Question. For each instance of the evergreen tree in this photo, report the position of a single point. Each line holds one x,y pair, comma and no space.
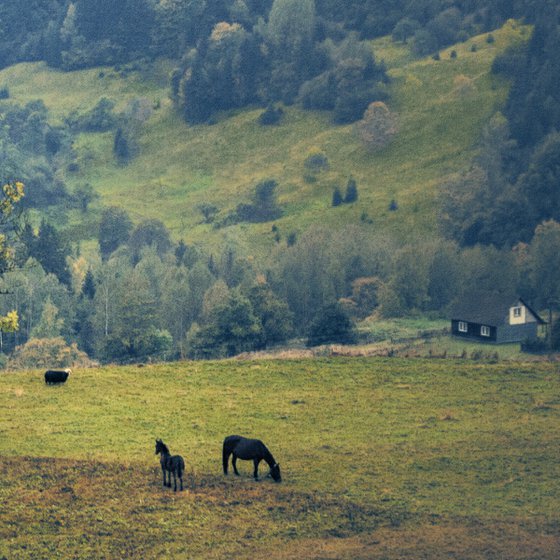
51,251
351,194
337,197
121,148
88,287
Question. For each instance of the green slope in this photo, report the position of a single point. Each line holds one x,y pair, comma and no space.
441,107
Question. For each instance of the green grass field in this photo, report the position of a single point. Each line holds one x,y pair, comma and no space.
381,458
441,107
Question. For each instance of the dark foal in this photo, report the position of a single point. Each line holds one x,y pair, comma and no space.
170,465
249,450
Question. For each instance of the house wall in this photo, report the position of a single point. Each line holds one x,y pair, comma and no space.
499,335
473,332
516,333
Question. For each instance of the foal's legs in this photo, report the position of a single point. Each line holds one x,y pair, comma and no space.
174,481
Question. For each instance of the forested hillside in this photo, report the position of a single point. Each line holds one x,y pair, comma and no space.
203,179
235,53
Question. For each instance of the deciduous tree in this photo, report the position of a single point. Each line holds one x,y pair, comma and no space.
377,127
114,230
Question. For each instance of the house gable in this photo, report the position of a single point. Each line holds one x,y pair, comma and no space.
528,315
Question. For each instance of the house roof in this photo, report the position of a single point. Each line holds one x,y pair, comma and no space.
489,309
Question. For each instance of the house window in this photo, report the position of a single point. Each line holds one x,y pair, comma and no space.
485,331
517,311
463,327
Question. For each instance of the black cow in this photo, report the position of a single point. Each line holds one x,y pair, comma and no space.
53,376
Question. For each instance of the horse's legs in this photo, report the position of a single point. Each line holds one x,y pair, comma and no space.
234,464
225,461
163,473
256,473
174,481
181,481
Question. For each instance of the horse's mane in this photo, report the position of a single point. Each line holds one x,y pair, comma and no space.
165,448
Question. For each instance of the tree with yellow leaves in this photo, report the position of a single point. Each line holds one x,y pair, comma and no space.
10,195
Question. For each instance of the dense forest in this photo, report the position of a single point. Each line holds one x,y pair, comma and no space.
235,53
149,295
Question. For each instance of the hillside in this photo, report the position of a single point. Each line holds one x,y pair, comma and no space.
441,107
381,458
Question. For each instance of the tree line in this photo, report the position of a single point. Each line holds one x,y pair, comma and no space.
232,53
147,297
80,33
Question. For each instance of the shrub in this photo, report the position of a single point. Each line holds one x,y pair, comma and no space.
4,93
154,344
271,116
316,161
98,119
48,352
365,218
208,211
365,295
424,42
378,126
350,105
319,93
463,84
331,325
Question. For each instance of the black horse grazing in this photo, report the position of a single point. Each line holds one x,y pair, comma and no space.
249,449
170,465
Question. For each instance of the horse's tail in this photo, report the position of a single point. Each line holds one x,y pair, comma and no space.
227,449
180,467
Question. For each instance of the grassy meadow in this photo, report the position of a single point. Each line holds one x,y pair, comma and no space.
381,458
441,108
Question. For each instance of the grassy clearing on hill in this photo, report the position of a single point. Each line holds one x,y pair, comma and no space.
381,458
441,109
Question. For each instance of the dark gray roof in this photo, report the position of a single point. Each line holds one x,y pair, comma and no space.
488,309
